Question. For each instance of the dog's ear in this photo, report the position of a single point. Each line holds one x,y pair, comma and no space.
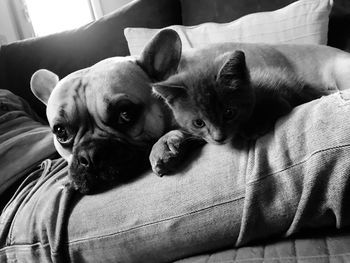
42,83
161,56
169,92
234,71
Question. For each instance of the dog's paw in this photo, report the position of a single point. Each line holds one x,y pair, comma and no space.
167,152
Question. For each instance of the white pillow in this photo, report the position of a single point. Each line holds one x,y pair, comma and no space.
302,22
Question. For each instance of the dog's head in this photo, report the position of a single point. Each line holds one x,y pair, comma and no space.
104,118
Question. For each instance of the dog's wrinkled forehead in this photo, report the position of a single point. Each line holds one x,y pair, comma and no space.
89,97
117,75
115,79
66,97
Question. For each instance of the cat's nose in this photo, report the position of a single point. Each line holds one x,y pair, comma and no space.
220,140
219,137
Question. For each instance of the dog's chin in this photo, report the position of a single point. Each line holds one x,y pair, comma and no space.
108,172
96,180
93,180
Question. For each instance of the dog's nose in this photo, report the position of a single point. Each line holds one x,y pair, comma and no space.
84,159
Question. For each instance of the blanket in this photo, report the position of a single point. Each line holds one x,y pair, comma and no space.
24,139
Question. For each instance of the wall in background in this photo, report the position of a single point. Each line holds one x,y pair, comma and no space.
8,31
109,6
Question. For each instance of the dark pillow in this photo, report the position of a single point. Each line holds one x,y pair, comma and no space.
339,30
222,11
68,51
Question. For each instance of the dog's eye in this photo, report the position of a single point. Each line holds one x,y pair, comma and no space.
124,113
124,117
61,133
198,123
230,114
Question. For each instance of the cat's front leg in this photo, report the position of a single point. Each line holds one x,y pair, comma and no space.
168,152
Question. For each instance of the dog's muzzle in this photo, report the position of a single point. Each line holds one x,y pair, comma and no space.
98,163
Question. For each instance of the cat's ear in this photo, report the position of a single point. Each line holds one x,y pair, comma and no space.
168,92
161,56
234,69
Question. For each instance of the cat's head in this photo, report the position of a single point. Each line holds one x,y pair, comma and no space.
210,101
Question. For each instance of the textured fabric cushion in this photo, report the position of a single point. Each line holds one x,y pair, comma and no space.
294,178
24,141
69,51
302,22
317,247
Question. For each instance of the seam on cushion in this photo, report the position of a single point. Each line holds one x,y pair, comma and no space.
159,221
304,160
294,247
278,32
264,251
327,247
285,258
287,28
303,36
285,20
235,255
47,245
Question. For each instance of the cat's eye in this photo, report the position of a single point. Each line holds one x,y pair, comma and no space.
198,123
230,114
61,133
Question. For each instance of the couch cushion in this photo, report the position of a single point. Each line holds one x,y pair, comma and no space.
294,178
302,22
315,247
68,51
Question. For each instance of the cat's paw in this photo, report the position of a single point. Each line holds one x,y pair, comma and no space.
167,152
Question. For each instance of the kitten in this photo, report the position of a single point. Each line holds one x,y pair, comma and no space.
233,102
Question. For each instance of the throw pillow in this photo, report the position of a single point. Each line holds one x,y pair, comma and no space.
302,22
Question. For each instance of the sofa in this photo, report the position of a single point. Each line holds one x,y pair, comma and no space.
281,198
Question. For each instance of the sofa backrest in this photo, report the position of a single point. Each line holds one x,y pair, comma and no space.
69,51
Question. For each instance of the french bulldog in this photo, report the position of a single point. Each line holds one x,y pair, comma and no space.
322,67
104,118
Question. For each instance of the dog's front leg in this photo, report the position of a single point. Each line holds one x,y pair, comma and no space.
168,152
